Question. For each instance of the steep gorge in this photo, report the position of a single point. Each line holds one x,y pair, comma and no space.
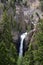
18,28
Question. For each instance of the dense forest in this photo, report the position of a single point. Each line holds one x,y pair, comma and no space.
13,23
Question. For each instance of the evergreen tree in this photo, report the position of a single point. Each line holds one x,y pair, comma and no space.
35,56
8,53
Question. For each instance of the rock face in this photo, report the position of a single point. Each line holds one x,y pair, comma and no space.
23,19
15,36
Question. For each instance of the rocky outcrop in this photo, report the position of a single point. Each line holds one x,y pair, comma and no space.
23,18
15,36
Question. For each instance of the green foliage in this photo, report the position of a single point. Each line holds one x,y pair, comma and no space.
19,61
28,58
41,24
7,56
34,55
41,2
6,28
12,3
8,53
28,28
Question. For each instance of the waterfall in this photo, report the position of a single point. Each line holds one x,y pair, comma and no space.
21,44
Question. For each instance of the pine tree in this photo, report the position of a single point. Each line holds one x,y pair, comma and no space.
8,53
35,56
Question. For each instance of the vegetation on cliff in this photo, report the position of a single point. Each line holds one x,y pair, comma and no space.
8,50
34,55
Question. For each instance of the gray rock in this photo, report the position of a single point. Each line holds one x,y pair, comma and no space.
15,36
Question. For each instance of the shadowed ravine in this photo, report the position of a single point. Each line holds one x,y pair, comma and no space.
22,37
21,32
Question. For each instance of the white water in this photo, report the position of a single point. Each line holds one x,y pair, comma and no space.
21,44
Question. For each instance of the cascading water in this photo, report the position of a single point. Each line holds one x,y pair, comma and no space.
21,44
